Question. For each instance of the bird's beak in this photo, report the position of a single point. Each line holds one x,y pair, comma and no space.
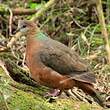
17,30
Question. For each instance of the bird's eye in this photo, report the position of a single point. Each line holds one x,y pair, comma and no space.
24,26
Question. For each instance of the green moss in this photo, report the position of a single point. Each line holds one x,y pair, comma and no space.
85,106
27,101
1,71
21,100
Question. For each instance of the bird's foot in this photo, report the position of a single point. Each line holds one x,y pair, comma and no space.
53,93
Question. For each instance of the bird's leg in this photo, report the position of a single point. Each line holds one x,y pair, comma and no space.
53,93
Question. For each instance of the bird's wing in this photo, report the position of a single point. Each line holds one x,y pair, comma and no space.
62,59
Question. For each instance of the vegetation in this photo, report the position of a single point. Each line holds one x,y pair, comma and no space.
83,25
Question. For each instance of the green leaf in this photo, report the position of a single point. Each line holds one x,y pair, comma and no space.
35,5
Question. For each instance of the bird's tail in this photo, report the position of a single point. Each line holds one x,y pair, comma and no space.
89,89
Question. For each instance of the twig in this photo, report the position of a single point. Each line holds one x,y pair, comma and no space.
71,94
108,11
78,95
13,40
93,56
76,22
103,26
3,49
10,22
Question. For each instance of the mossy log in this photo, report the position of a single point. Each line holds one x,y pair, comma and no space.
20,92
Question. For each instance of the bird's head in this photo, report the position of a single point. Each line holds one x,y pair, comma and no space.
25,26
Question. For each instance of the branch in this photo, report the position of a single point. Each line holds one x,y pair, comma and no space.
43,9
18,11
22,11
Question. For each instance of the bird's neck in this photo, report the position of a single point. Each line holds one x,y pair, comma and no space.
31,34
41,36
35,35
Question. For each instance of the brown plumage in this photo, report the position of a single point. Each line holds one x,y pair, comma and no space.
55,65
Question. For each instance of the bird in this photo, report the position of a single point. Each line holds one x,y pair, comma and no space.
54,65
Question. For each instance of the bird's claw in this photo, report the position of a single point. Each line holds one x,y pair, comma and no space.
52,93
